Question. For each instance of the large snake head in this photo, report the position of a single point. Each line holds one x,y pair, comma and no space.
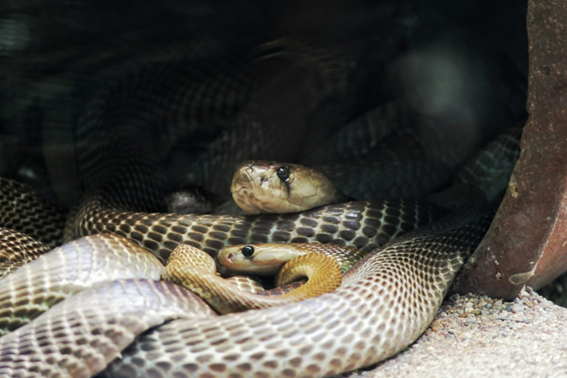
272,187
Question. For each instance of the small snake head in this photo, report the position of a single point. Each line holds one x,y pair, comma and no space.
260,259
274,187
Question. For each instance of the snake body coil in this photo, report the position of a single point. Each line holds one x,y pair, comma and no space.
382,308
384,303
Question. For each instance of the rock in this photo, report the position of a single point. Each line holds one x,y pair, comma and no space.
525,244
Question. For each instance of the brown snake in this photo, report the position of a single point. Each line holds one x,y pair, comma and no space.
383,304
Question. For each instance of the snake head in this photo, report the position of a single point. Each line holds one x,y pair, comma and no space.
274,187
260,259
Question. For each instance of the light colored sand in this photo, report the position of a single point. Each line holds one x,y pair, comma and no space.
483,337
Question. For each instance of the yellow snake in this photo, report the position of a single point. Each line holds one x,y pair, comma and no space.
322,271
268,259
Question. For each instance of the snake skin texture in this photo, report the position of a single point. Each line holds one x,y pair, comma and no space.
363,224
407,168
380,309
49,278
246,283
26,210
17,249
85,332
35,287
490,169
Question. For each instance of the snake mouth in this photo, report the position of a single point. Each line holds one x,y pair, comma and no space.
222,259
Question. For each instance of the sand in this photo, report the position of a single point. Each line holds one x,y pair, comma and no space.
476,336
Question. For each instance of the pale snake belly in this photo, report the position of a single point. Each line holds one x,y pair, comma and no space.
383,305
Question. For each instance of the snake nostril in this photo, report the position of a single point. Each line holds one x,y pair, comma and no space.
229,257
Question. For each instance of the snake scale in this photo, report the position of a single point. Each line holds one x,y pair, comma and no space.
136,327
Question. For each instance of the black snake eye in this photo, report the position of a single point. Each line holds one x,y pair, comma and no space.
248,251
283,173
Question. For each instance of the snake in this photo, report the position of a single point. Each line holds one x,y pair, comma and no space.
322,272
382,305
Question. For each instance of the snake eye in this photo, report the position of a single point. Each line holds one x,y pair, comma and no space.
283,173
248,251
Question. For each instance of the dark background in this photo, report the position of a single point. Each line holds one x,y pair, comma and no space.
55,54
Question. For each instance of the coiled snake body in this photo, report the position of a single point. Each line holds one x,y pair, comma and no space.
384,303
